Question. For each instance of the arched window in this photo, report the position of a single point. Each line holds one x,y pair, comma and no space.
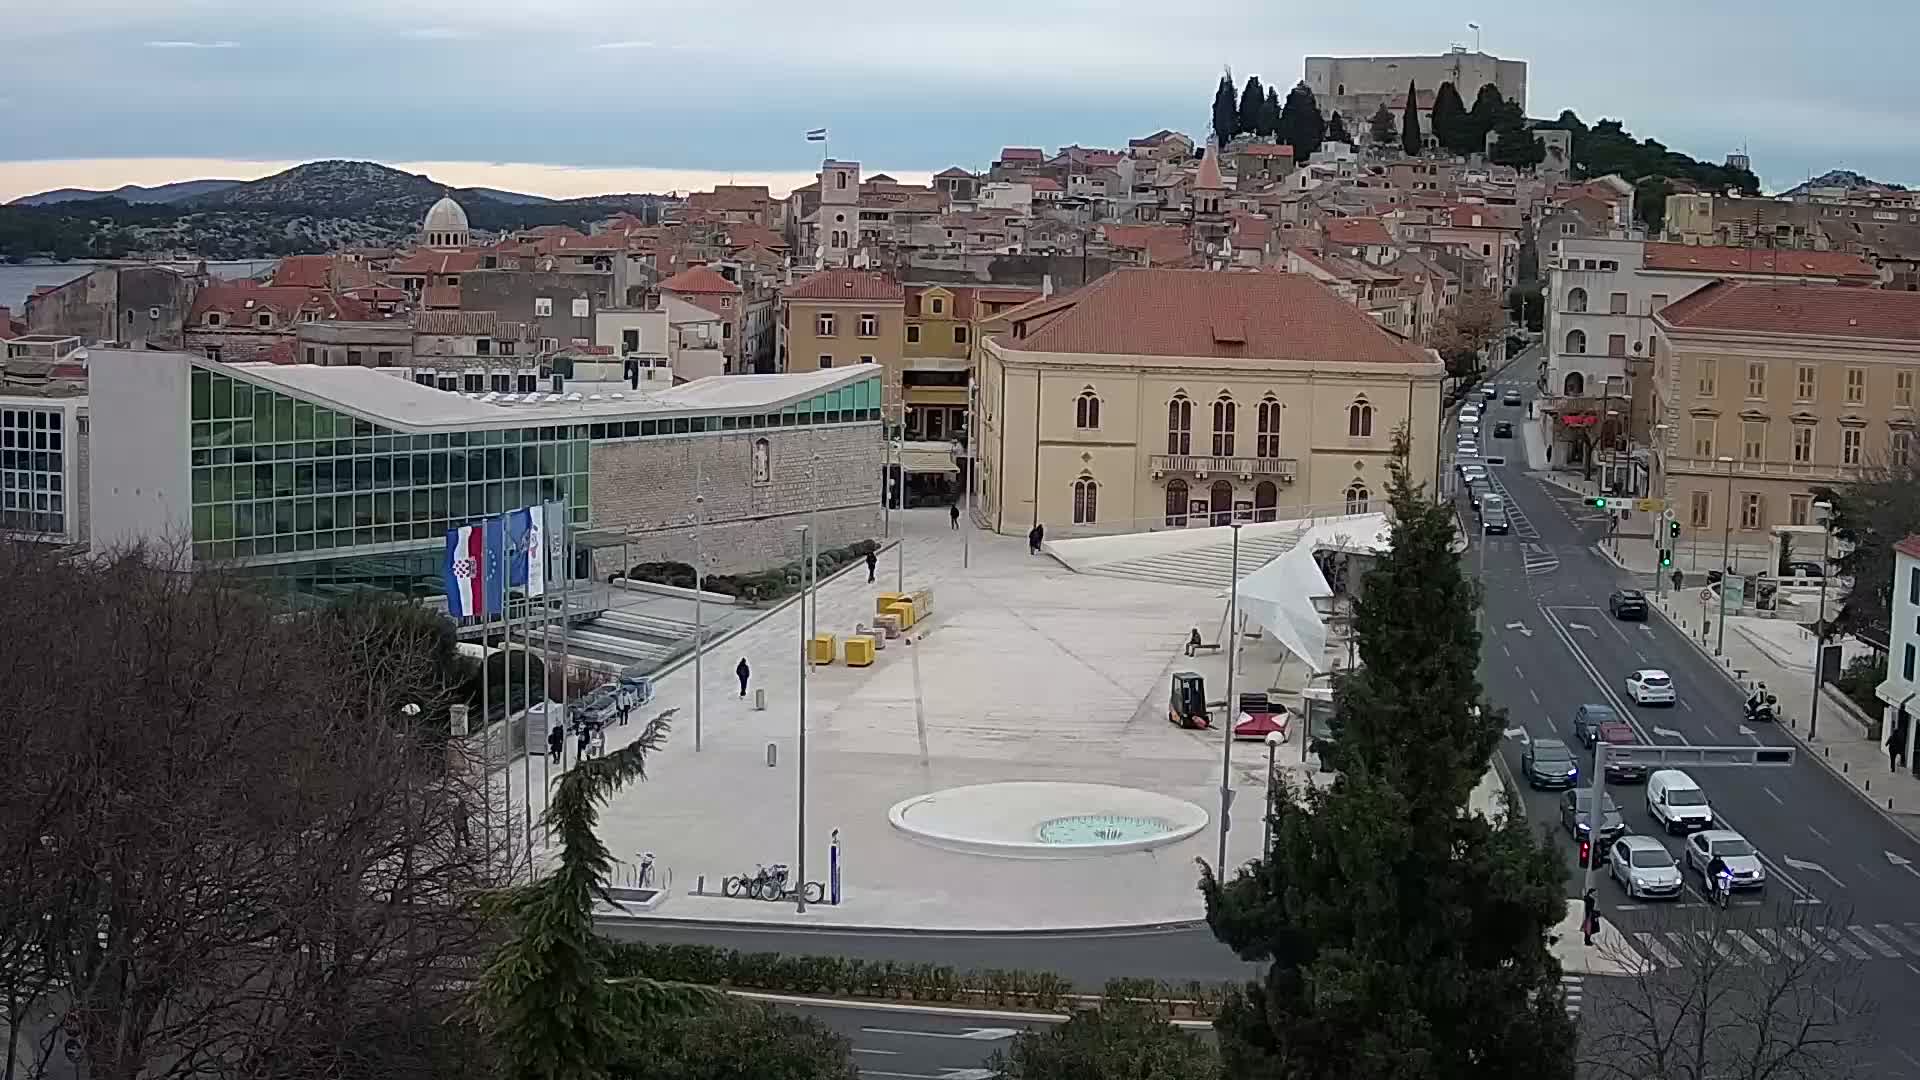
1576,341
1176,502
1575,385
1358,497
1267,440
1224,412
1180,425
1360,419
1576,299
1266,500
1086,501
1086,410
1220,503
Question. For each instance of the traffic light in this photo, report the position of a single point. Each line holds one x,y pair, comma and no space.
1598,502
1586,853
1673,529
1666,557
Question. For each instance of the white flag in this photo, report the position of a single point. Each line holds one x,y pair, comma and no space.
536,550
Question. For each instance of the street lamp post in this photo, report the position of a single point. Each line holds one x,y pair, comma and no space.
1726,557
1266,823
900,542
699,610
800,816
1233,703
1824,510
966,486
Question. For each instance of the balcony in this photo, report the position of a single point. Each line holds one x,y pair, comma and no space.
1246,468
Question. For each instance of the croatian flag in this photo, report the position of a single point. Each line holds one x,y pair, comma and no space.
465,571
527,549
817,135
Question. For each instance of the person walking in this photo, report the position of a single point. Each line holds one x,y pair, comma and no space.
953,514
586,740
1590,921
745,673
1678,577
557,744
873,563
1034,537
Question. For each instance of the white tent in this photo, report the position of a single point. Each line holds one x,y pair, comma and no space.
1280,596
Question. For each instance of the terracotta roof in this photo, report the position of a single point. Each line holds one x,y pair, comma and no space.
441,296
700,280
436,262
1162,243
954,171
748,234
1044,183
242,296
1730,260
1022,153
1910,547
1250,231
1357,231
1207,314
1462,215
1208,178
456,323
1792,308
846,285
305,271
1266,150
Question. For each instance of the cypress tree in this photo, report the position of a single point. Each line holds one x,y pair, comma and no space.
1450,120
1410,122
1337,130
1226,116
1301,125
1405,936
1251,115
1381,128
1487,106
1272,112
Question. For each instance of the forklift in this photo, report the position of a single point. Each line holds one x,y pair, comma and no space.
1187,707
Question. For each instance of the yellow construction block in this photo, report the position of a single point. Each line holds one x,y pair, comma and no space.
902,609
923,602
859,651
824,646
887,599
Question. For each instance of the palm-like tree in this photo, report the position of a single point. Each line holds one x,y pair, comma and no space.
546,996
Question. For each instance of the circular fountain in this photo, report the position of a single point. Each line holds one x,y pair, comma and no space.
1044,819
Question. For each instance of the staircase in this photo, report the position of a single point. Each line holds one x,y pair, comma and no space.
1209,567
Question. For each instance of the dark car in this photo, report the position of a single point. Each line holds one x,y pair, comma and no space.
1503,430
1576,816
1547,763
1628,605
1618,733
1494,520
1512,397
1587,720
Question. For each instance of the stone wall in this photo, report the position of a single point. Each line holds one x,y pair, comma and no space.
647,486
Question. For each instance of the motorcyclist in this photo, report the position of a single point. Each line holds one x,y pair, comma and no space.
1718,877
1758,700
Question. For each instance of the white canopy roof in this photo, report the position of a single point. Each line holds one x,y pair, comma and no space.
1280,596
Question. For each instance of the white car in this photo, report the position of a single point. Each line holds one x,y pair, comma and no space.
1743,862
1651,686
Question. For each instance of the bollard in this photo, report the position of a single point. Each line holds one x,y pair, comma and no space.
1826,751
773,754
700,885
760,699
1843,768
1866,785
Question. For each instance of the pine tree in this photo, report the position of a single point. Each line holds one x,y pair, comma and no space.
1272,112
1515,144
1410,140
1381,128
1450,120
1405,936
1226,116
1487,105
1301,125
1337,130
1251,116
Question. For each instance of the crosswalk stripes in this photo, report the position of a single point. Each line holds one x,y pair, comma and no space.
1539,559
1761,945
1572,988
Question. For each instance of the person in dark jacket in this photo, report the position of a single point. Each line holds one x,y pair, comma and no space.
1590,921
953,514
745,673
556,742
1034,538
873,562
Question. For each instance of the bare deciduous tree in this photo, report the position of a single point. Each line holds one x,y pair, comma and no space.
231,848
1741,994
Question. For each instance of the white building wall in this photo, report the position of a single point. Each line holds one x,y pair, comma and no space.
138,483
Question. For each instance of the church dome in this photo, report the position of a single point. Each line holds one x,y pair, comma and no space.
446,216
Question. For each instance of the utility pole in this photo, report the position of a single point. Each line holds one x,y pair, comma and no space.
1233,703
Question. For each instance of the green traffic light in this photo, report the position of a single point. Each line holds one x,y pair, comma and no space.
1597,501
1666,557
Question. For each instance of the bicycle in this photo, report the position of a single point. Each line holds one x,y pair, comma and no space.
765,883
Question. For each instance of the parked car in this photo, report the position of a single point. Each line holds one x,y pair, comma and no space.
1677,803
1576,816
1511,397
1547,763
1628,605
1742,860
1643,868
1651,686
1503,429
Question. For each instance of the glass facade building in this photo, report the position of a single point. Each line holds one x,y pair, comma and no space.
33,470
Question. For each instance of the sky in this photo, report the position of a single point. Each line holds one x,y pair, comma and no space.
571,97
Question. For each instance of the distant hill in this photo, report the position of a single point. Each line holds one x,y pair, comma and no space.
1840,178
129,193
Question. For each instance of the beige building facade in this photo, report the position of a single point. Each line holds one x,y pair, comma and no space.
1772,391
1158,399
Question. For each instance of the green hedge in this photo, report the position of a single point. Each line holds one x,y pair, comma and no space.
763,585
886,980
1859,679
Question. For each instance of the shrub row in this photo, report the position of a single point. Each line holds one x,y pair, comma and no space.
763,585
886,980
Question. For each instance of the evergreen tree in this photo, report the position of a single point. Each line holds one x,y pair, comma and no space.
1226,116
1410,122
1514,143
1301,125
1487,105
1337,130
1405,935
1449,120
1250,119
1381,128
1272,112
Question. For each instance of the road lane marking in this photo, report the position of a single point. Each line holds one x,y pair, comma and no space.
1822,836
1874,943
1652,947
1777,799
1781,945
1813,868
887,1053
969,1035
1811,943
1753,948
1534,696
1833,934
1710,732
1714,942
1684,705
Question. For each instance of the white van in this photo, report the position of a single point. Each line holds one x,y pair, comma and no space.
1677,803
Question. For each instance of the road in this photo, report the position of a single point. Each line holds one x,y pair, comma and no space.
1550,647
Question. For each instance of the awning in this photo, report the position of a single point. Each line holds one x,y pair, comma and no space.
1279,598
927,458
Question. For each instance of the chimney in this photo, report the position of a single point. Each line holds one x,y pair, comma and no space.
1046,286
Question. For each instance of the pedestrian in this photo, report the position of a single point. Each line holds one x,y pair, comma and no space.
586,740
873,563
1678,577
953,514
556,742
1590,922
1034,538
745,673
1193,641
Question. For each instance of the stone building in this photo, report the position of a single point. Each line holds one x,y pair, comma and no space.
140,307
1355,86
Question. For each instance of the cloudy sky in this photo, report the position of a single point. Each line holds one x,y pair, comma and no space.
572,96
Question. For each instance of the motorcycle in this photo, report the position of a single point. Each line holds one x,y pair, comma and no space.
1761,710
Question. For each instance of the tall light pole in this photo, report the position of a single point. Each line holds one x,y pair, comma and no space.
1266,823
966,485
1824,511
1233,703
1726,561
699,609
800,816
900,542
1480,611
813,521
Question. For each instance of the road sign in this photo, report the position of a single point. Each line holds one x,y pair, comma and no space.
1650,506
1670,515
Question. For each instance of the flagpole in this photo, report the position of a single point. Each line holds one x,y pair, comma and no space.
486,712
526,698
506,692
546,681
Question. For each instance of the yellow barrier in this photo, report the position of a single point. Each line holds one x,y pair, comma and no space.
859,652
824,646
903,610
886,600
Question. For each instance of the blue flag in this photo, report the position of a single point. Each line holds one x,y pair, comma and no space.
496,575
